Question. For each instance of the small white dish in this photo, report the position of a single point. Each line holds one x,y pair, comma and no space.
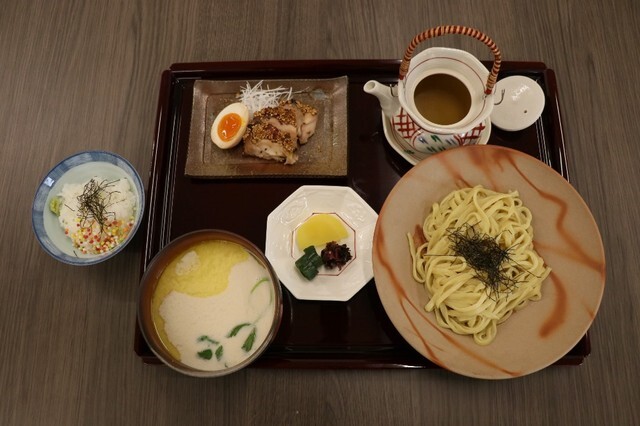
79,168
282,251
519,102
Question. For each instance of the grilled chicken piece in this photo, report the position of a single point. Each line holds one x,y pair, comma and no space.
309,121
274,132
283,119
306,119
264,140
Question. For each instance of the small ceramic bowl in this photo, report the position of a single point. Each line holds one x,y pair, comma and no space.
202,330
77,169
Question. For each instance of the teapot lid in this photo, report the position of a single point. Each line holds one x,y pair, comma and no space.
519,102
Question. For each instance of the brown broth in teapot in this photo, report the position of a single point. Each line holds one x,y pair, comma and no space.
442,99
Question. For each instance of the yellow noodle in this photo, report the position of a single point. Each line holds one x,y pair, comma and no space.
460,301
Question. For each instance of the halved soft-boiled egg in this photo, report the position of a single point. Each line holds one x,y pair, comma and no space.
229,126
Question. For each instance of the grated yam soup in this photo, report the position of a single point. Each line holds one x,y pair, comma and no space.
213,305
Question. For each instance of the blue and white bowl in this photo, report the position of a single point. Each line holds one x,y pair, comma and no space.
79,168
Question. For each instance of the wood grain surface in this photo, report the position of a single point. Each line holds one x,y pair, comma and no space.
80,75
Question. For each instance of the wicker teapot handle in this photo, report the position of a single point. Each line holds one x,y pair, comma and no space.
455,29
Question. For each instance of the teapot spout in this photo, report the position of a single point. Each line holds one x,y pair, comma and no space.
388,102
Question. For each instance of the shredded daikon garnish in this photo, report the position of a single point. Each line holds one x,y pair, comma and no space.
256,98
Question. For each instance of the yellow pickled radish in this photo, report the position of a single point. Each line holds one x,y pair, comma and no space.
320,229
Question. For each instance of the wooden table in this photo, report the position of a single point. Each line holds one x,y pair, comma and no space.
79,76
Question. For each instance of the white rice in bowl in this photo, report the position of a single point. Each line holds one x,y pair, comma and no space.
97,215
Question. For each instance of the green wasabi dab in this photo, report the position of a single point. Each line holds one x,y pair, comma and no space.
55,205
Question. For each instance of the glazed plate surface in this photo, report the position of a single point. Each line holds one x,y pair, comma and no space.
565,235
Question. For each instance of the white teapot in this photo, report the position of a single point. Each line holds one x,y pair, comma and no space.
444,96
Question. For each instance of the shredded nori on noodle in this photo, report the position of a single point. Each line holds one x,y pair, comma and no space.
485,256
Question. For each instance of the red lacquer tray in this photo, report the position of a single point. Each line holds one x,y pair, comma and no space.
353,334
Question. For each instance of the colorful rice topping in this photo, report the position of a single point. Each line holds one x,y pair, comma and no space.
98,215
